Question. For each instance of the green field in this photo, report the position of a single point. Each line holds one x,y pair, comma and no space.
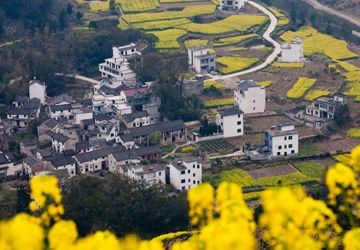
311,169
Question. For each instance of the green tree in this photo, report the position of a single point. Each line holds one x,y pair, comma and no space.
123,206
62,20
79,15
342,115
154,138
23,199
69,9
112,5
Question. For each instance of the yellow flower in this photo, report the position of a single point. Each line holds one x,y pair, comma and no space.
43,187
201,201
351,240
62,235
98,241
21,232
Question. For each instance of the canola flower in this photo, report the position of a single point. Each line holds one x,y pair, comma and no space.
289,219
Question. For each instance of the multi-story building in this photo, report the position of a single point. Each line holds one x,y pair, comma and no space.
232,5
117,68
22,112
200,59
324,107
250,97
63,110
282,140
293,51
231,122
151,174
61,143
185,173
136,119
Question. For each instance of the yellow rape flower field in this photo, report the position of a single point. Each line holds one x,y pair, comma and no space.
265,83
233,40
229,24
188,11
160,25
354,133
230,64
218,102
219,219
302,85
168,38
195,42
316,42
352,75
288,65
100,6
138,5
282,19
208,84
316,93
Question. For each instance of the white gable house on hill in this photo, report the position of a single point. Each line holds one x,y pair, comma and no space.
200,59
232,5
250,97
293,51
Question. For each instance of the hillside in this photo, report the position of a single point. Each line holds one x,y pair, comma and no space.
349,6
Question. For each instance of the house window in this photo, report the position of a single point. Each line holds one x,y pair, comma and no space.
253,101
159,173
189,171
285,138
279,147
290,145
278,153
285,146
239,115
183,181
182,171
182,188
189,180
194,166
239,130
239,123
194,182
193,174
290,137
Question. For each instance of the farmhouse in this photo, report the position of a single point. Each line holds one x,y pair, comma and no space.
232,5
282,140
60,142
293,51
33,166
117,69
185,173
136,119
200,59
63,162
170,132
231,122
23,110
324,107
250,97
151,174
63,110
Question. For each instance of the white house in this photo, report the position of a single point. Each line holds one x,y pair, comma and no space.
82,114
151,174
63,162
185,173
250,97
117,68
33,166
200,59
37,89
233,5
324,107
136,119
60,142
293,51
231,122
62,110
282,140
22,112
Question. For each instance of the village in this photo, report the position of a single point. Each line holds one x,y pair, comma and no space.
118,128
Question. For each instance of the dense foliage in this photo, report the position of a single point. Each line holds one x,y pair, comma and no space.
124,206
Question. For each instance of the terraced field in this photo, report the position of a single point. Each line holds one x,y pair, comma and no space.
168,39
218,102
300,87
161,25
229,24
233,40
316,42
189,11
216,146
195,42
230,64
316,93
138,5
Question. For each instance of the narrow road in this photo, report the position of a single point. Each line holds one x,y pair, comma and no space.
318,6
267,37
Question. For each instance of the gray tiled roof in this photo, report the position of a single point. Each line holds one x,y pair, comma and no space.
246,84
132,116
60,107
59,161
3,159
103,152
31,162
58,137
234,110
158,127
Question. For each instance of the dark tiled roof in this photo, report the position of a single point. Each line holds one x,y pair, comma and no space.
58,137
60,107
159,127
103,152
21,111
246,84
60,161
136,153
22,99
234,110
126,137
82,145
111,91
132,116
31,162
3,159
36,82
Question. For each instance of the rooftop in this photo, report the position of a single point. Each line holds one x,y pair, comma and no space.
247,84
132,116
234,110
158,127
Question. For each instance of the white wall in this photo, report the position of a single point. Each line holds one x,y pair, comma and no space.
253,100
83,116
231,126
288,146
187,178
37,91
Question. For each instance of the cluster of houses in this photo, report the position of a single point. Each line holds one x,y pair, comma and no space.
117,130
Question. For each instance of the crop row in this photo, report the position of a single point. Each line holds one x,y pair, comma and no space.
300,87
232,64
218,102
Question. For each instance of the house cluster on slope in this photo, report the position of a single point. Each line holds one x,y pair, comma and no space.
117,130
